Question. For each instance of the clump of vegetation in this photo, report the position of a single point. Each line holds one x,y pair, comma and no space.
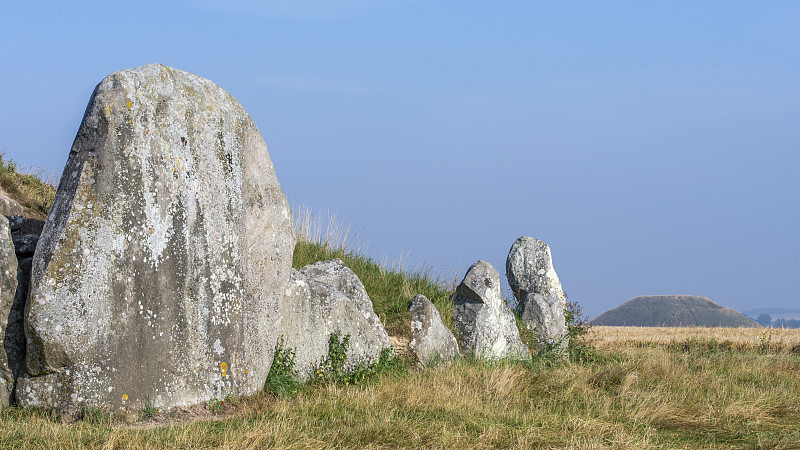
334,368
93,415
216,405
149,410
578,324
282,377
29,189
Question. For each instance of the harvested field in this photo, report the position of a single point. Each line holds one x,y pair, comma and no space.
772,340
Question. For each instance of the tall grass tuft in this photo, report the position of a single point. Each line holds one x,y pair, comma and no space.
33,189
322,236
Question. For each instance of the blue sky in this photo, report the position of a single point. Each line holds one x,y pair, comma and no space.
654,145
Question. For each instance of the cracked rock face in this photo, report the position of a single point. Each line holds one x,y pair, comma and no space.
431,341
485,324
166,253
324,298
534,282
8,289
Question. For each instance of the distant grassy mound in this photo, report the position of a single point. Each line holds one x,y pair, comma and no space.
673,311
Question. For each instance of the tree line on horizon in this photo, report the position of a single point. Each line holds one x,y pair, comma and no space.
767,321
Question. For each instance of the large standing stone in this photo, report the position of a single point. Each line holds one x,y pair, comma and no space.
535,284
8,288
324,298
485,324
431,341
165,255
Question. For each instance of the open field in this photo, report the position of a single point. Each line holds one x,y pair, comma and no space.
773,340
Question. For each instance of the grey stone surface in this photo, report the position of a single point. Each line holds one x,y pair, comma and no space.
324,298
533,280
9,206
486,325
25,244
15,222
165,256
431,341
8,289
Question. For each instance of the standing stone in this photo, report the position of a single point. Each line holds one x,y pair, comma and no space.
431,341
166,253
324,298
8,288
485,324
535,284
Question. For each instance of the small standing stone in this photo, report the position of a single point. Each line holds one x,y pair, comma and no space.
325,298
536,286
485,324
431,341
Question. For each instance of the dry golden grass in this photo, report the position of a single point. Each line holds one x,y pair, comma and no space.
773,340
634,398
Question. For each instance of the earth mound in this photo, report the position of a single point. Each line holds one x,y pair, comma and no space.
673,311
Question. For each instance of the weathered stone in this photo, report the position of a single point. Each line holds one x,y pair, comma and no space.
324,298
8,288
15,223
9,206
431,341
486,325
165,256
25,244
533,280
